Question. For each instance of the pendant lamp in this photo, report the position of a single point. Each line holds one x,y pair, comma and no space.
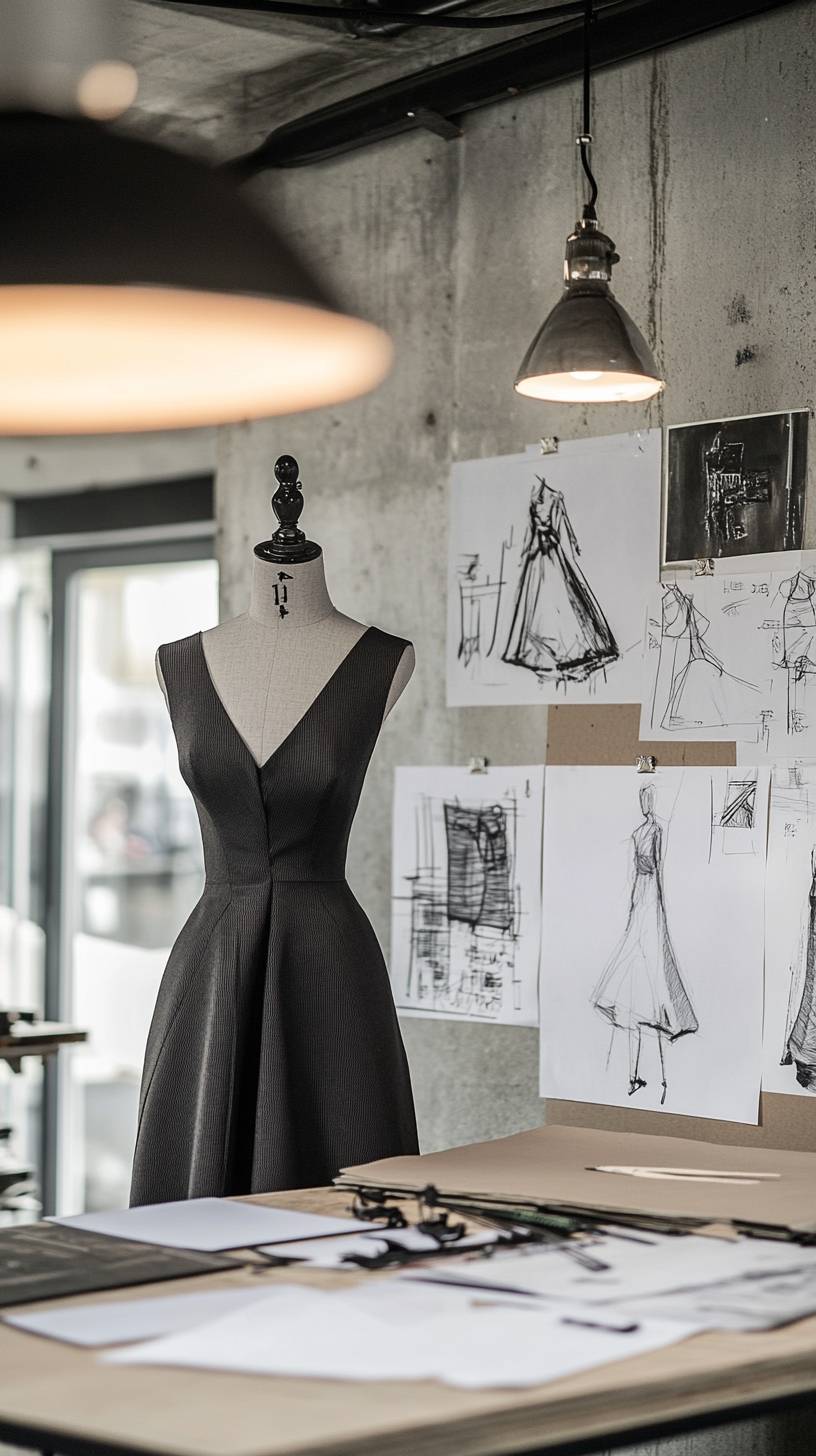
139,290
588,350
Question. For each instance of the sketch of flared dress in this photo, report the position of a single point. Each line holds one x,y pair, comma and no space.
797,654
558,629
693,689
800,1042
641,989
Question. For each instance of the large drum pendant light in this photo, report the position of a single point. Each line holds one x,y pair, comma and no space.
139,290
588,350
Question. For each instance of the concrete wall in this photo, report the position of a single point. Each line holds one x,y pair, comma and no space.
31,465
705,159
704,156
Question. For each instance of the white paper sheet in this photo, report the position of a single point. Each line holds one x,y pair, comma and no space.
547,583
121,1321
395,1331
211,1224
652,939
634,1270
733,657
466,893
749,1303
789,1043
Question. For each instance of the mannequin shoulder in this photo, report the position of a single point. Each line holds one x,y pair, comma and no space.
168,653
405,664
232,631
402,676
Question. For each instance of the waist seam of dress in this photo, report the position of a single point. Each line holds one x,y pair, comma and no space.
237,886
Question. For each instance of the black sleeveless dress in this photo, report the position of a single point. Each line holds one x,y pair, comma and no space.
274,1056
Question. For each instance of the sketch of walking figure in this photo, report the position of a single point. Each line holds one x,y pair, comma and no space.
697,690
798,644
800,1044
558,629
641,988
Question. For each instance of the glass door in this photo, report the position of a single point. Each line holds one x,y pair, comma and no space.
130,864
25,628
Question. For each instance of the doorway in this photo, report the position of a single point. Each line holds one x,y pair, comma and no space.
124,865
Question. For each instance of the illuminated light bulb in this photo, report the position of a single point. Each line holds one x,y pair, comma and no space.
139,290
107,89
588,350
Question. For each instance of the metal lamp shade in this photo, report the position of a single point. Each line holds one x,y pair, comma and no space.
139,291
588,350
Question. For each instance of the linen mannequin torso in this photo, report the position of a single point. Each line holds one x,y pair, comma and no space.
267,668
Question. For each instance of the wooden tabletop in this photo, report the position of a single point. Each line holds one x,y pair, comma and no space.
53,1396
38,1039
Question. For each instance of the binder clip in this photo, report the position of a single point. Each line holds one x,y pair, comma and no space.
549,444
434,1221
646,763
478,765
704,566
371,1207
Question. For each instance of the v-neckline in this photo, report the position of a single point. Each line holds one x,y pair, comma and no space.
261,767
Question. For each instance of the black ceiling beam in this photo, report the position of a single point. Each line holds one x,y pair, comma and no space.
538,58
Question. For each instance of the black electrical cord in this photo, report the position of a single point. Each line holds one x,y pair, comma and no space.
452,22
585,139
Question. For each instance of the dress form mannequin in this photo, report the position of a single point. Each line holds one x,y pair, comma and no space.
274,1056
269,664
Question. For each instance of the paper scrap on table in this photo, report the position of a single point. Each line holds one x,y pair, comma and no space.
334,1253
121,1321
659,1264
540,610
211,1224
753,1302
466,893
651,983
789,1041
394,1331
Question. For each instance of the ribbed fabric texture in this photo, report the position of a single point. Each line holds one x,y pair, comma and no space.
274,1056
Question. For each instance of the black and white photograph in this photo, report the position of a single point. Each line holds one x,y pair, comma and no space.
735,487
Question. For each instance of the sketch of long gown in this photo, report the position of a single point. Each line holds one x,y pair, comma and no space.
800,1045
798,654
697,690
558,629
641,988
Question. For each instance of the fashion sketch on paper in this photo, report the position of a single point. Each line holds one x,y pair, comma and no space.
641,989
558,629
800,1042
693,688
796,653
465,909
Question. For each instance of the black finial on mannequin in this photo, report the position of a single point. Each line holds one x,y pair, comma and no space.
288,543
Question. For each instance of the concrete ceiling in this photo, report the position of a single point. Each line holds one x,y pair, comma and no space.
216,80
